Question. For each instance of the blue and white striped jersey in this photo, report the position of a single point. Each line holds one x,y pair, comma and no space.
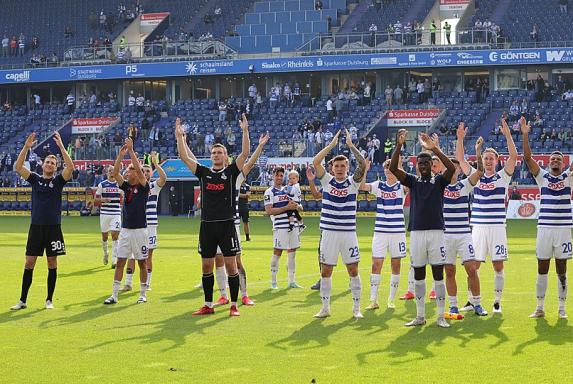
109,190
151,209
278,198
338,212
389,207
488,207
555,207
456,207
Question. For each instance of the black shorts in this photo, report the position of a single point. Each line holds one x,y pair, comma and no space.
45,237
244,214
220,234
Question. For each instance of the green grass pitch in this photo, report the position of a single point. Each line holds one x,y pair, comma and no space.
278,340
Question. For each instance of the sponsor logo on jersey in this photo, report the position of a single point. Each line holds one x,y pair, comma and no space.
452,194
389,195
486,186
215,187
556,186
338,192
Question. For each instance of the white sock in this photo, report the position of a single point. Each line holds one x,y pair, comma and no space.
128,279
440,287
471,297
148,278
291,265
411,280
274,268
104,247
115,289
374,284
420,292
114,250
243,282
221,277
142,289
562,290
325,290
453,301
498,282
356,290
394,283
540,290
476,300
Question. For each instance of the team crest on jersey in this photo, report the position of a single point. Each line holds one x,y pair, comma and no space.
223,176
433,180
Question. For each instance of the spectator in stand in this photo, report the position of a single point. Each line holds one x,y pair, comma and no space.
398,94
78,153
373,29
231,140
117,142
563,5
568,95
132,131
515,195
412,91
420,90
537,120
253,91
71,103
367,94
5,46
514,111
209,141
287,92
565,134
35,43
318,5
37,101
102,20
222,111
140,103
21,44
13,46
534,33
388,95
554,135
131,102
544,136
144,128
218,12
330,109
68,32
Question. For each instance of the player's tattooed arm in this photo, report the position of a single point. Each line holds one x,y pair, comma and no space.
395,159
162,175
363,186
531,164
69,168
460,153
245,145
263,140
474,177
512,149
360,171
317,160
19,164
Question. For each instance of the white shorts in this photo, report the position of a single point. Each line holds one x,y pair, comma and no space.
554,242
152,234
490,240
283,239
459,244
238,229
334,243
427,247
110,223
133,243
392,243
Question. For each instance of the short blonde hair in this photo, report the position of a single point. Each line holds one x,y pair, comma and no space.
491,150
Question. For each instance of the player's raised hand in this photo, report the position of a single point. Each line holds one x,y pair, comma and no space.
30,141
154,158
479,143
426,142
334,142
244,123
178,128
264,139
524,125
435,139
58,140
461,131
401,137
367,164
348,137
129,144
505,128
310,175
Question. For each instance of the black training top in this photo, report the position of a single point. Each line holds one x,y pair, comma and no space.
134,205
426,202
217,192
244,201
46,199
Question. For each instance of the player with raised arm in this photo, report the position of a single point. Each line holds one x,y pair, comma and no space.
133,237
316,194
488,208
152,220
458,235
45,233
218,212
389,232
277,205
426,224
108,197
338,221
554,223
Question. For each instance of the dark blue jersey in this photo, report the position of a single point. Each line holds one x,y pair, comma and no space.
426,202
134,205
46,199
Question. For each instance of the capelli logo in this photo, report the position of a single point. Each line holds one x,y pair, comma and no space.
18,77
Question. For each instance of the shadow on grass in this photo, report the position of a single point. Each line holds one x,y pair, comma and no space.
558,334
84,272
188,295
476,328
9,316
174,329
270,295
318,331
